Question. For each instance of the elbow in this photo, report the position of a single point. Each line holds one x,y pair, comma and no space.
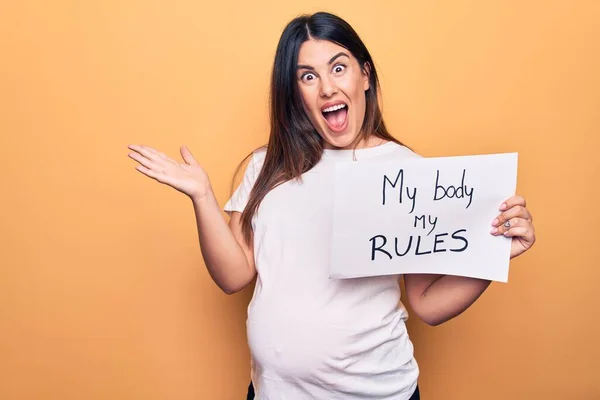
431,314
233,288
433,321
229,290
430,318
436,319
227,287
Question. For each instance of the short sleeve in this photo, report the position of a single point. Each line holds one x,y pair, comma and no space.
240,196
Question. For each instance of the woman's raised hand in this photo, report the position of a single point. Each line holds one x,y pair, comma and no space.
187,177
515,221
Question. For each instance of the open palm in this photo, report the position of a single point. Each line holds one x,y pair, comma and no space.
187,177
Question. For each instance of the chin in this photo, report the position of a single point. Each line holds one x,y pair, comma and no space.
339,141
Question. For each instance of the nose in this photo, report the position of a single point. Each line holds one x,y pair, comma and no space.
328,87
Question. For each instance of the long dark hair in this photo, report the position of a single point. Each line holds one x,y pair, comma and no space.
294,145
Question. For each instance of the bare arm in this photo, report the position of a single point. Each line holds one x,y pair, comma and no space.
439,298
230,262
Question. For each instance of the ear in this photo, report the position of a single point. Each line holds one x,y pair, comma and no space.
366,73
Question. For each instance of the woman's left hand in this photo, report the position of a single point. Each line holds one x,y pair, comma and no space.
515,222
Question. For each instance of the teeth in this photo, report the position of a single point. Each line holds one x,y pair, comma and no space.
334,108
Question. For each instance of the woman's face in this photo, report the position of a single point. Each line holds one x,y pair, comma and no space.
332,86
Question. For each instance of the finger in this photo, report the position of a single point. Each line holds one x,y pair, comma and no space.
146,162
514,212
187,155
149,152
513,201
524,232
147,171
511,223
158,153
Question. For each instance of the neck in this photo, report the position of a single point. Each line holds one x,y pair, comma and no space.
364,143
370,141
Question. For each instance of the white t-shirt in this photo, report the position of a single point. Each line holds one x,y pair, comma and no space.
312,337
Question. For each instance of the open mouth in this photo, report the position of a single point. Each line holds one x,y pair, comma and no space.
336,116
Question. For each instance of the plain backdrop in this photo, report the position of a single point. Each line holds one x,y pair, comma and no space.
103,292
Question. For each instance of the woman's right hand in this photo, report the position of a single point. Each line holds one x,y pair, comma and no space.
187,177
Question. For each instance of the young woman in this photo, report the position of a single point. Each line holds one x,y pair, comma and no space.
312,337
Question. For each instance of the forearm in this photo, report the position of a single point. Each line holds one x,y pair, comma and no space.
447,297
224,257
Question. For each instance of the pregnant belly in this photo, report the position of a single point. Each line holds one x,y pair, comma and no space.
304,343
289,345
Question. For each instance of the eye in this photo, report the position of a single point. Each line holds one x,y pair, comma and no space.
338,68
307,77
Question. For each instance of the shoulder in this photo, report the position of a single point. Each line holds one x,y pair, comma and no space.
258,155
257,160
403,151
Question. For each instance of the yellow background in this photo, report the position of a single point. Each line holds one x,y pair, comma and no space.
103,294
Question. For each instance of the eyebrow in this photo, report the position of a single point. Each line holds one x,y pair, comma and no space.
338,55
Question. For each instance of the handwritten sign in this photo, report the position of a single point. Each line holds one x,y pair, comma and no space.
425,215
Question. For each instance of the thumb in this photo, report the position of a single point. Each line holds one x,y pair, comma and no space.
187,156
